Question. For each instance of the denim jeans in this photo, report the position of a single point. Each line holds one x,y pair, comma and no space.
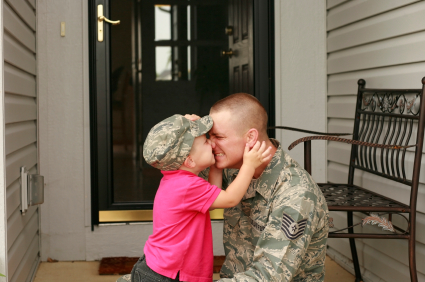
142,273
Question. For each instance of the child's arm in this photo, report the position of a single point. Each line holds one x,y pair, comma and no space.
251,160
215,177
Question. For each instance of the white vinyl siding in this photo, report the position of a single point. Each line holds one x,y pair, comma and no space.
20,104
383,42
300,64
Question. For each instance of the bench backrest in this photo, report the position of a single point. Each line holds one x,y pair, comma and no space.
389,116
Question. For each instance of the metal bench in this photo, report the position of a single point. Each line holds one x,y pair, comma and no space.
388,129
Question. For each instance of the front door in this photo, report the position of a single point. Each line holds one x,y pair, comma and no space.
164,57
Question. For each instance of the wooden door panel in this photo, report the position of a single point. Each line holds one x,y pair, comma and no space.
241,64
234,18
235,76
244,10
245,79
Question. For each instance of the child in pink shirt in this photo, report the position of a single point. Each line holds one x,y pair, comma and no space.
180,248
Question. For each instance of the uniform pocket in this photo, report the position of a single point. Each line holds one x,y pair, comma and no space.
233,215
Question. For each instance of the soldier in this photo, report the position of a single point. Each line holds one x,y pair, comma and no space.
278,232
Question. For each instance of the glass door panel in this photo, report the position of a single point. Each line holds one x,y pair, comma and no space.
164,60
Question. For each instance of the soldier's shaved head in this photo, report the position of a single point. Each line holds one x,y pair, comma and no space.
246,111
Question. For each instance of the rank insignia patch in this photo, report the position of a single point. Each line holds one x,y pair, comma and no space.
292,229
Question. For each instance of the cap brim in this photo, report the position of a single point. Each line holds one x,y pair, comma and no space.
204,124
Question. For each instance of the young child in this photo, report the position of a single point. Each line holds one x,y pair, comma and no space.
180,248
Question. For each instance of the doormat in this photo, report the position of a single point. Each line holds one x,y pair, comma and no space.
218,263
124,265
116,265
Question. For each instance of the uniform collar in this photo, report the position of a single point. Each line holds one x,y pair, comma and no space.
271,172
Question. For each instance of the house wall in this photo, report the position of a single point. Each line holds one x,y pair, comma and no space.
300,36
63,100
3,196
381,41
20,134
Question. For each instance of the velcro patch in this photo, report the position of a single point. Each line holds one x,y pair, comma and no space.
292,229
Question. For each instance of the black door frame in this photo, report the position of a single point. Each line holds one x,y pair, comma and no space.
100,135
264,57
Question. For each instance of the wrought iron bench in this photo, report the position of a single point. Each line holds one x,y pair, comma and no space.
388,125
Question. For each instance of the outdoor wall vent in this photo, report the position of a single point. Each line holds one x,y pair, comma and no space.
32,190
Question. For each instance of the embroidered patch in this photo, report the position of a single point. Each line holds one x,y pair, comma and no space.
256,225
292,229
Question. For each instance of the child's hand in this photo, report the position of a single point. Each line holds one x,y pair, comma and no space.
258,155
192,117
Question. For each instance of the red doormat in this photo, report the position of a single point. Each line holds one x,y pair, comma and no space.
117,265
124,265
218,263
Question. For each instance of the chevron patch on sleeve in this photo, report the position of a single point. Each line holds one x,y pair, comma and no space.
292,229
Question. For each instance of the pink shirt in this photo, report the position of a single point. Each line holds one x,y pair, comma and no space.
182,236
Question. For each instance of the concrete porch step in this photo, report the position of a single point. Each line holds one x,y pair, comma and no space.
88,271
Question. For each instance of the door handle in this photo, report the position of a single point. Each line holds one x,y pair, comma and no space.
228,30
100,19
229,53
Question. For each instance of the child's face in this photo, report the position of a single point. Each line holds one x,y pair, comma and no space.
201,152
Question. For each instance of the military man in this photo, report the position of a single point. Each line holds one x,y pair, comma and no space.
279,230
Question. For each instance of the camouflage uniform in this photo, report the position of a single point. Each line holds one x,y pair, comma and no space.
279,230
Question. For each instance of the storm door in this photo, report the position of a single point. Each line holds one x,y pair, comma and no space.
163,58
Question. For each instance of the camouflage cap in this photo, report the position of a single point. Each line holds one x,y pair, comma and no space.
169,142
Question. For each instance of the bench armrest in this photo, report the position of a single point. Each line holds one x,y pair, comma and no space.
349,141
307,144
307,131
329,137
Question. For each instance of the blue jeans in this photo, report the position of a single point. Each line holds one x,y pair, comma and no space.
142,273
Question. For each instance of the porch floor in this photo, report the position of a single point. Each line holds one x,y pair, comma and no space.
88,271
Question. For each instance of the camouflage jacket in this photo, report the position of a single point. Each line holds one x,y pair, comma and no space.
279,230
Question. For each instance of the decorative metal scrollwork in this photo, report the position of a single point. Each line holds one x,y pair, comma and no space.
410,105
387,103
369,102
390,102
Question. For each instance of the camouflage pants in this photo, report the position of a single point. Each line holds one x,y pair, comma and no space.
125,278
142,273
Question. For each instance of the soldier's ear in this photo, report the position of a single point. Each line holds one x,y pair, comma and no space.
189,162
251,137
